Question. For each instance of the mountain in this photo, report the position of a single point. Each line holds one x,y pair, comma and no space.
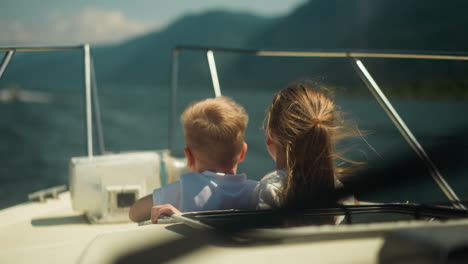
147,59
143,60
431,25
363,24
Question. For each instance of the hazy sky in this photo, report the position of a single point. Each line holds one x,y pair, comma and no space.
107,21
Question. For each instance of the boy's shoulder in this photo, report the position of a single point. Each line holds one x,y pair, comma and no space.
211,175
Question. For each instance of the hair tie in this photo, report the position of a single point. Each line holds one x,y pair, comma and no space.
316,120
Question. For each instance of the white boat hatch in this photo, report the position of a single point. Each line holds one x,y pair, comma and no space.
104,187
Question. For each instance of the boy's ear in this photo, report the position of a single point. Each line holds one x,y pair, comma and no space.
243,152
190,159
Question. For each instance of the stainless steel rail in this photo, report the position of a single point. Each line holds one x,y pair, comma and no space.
379,55
173,101
5,61
10,50
24,48
89,110
335,53
405,131
366,77
214,73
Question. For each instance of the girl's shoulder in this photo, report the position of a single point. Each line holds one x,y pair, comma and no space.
267,193
275,178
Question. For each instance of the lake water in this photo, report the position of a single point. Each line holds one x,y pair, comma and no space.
38,140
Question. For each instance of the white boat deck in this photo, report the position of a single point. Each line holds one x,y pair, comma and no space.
51,232
48,232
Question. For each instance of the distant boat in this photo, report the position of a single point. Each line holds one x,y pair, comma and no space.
15,94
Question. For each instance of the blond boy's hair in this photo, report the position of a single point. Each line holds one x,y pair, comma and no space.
214,128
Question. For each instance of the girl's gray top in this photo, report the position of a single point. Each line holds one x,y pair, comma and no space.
267,193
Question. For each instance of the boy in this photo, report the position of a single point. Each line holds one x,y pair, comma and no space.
214,137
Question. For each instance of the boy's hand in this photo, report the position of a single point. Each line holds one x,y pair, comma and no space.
163,209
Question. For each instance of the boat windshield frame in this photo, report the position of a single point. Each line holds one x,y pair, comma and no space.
355,58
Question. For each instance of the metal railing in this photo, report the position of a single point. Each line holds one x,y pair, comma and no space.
89,86
355,59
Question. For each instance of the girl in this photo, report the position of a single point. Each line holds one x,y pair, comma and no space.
301,131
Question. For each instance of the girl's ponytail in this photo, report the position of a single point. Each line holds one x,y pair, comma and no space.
310,166
303,122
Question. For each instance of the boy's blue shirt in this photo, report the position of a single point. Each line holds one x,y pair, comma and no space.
207,191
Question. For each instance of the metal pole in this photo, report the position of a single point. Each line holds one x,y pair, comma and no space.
336,53
97,110
404,130
173,101
5,61
213,72
88,108
20,48
381,55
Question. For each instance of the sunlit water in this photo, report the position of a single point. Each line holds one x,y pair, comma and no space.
38,140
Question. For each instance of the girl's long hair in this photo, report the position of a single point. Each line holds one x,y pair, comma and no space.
303,120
